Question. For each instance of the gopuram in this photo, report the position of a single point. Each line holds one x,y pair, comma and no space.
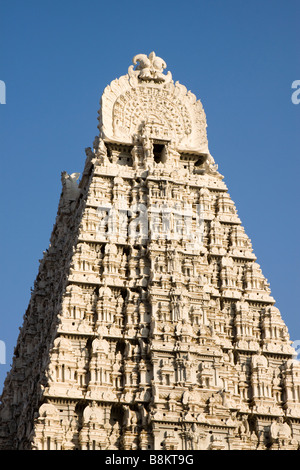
150,324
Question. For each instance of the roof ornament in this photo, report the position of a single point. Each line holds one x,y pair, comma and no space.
150,68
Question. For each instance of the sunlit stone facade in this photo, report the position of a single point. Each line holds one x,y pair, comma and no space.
151,324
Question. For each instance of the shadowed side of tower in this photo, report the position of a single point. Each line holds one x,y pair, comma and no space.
151,325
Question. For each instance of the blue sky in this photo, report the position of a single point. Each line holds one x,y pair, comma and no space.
239,58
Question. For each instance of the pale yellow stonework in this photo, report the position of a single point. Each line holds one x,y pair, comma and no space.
151,324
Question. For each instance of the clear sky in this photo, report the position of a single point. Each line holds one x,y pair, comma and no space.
239,58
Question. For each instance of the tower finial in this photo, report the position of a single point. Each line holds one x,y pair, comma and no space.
151,67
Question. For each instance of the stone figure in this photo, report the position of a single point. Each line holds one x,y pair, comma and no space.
150,67
70,186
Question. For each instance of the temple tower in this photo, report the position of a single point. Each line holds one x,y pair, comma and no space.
151,324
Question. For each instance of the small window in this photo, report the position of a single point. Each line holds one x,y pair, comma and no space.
201,160
159,152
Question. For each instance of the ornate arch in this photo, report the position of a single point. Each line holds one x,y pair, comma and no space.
147,97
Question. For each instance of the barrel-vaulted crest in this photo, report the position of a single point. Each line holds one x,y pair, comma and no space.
147,97
151,324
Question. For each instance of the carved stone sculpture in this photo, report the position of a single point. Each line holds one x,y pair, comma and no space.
151,324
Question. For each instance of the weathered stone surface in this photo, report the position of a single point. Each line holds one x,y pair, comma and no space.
151,324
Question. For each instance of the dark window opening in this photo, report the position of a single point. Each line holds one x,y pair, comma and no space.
200,160
159,152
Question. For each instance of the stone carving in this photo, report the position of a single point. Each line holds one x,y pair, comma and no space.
281,434
140,334
70,188
172,113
